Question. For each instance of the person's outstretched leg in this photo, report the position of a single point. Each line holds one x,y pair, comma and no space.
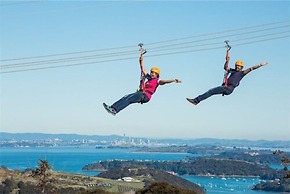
109,109
209,93
127,100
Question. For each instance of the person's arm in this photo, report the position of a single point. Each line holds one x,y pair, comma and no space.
226,65
141,64
255,67
162,82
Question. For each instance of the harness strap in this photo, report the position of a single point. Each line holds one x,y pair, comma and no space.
224,91
142,76
226,74
142,82
225,83
144,98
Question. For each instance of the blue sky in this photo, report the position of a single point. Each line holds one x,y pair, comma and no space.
69,99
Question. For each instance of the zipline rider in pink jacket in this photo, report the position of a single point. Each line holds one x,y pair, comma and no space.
144,94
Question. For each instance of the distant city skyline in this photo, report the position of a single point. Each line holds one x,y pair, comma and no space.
67,140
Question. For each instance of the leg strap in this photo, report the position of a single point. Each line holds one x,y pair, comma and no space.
144,98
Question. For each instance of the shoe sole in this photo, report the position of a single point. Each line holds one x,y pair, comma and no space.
189,100
107,109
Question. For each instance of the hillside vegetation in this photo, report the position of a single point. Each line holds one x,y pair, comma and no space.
200,166
23,183
17,182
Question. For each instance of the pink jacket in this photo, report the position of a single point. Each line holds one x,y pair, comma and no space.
150,87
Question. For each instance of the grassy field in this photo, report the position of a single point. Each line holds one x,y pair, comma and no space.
65,180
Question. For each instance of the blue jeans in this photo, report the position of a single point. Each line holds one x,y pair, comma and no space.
214,91
136,97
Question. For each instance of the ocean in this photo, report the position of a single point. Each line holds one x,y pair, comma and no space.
72,159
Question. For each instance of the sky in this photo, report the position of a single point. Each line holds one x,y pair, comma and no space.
78,54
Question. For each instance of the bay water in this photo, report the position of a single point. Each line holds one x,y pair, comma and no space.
72,159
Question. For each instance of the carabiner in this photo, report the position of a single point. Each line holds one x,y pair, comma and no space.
141,49
227,45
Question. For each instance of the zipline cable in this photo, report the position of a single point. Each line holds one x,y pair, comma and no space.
70,53
157,49
154,43
181,52
225,36
119,59
66,59
221,32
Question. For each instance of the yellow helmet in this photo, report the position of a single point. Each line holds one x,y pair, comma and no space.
240,63
156,70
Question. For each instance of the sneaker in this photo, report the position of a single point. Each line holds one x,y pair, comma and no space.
110,109
192,101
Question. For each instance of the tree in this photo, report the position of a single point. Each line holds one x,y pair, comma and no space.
285,162
43,174
8,186
165,188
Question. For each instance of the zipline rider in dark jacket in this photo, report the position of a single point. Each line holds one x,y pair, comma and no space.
231,81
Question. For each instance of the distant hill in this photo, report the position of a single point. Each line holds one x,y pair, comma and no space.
23,182
149,176
171,141
37,136
198,167
59,182
278,185
229,142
